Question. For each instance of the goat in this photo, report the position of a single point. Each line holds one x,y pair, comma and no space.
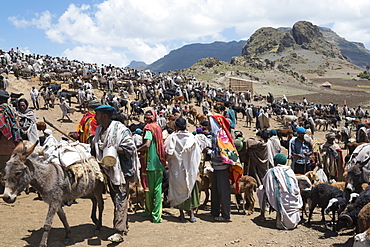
328,198
349,217
362,239
363,222
248,185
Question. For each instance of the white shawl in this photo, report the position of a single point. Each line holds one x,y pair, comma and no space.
183,159
273,146
118,135
286,197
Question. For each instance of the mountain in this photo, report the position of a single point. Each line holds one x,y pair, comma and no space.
354,51
136,64
188,55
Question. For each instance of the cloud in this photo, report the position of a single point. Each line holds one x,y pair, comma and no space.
42,21
147,30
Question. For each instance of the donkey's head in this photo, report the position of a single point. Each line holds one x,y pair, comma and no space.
17,172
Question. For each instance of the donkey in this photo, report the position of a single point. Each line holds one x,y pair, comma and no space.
53,183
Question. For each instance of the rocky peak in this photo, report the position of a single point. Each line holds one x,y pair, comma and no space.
305,32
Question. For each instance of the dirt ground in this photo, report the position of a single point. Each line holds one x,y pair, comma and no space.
22,222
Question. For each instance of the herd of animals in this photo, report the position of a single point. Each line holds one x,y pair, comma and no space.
348,208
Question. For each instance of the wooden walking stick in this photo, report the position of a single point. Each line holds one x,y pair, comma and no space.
60,131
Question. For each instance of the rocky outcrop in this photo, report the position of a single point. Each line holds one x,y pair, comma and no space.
305,32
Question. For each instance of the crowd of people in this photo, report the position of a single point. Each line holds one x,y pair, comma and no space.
144,154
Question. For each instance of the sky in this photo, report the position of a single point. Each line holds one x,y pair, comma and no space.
119,31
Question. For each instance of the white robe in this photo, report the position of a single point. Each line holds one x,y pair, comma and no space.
287,200
273,146
183,158
117,135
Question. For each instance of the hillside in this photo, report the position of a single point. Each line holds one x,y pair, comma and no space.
188,55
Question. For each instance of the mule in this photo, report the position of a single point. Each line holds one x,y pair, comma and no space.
53,183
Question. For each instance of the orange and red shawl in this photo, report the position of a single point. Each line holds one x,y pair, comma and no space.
87,126
159,144
228,152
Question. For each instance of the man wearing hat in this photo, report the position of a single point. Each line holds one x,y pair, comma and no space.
9,135
301,150
332,158
113,133
86,128
280,187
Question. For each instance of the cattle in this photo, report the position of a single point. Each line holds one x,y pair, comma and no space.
239,109
193,112
287,119
288,133
319,122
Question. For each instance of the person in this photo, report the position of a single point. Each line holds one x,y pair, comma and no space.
301,149
27,122
153,161
273,146
332,158
64,107
226,164
81,96
183,156
280,186
49,138
35,98
10,134
87,126
125,170
361,135
138,139
161,121
232,117
345,134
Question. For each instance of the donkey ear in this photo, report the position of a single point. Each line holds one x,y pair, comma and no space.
30,150
19,148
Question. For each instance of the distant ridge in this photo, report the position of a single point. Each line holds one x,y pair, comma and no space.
137,64
188,55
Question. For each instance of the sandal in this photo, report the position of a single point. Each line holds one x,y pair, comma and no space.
222,219
192,220
116,238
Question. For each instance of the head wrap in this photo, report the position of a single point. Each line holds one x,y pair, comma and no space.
104,108
4,94
94,104
153,117
273,132
280,159
199,130
301,130
180,123
138,131
24,101
47,131
330,135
